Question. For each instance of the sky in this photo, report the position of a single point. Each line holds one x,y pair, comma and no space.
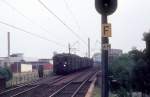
129,22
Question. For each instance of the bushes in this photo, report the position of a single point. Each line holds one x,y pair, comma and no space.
131,72
120,70
6,73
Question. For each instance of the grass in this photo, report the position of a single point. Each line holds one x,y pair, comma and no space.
96,92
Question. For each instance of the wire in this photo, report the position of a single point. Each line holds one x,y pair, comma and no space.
72,14
33,34
51,12
33,22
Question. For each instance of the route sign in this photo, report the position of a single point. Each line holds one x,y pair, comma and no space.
106,30
106,46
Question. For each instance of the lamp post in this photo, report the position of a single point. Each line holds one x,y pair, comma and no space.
105,8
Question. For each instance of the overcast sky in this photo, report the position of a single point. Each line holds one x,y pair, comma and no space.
129,22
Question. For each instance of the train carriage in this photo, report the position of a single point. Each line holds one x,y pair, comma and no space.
68,63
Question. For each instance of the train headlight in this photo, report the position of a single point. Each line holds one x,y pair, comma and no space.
65,64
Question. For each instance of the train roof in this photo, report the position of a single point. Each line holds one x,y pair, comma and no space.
65,55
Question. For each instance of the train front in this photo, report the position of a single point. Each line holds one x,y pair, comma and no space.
61,65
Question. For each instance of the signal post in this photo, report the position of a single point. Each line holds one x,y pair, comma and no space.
105,8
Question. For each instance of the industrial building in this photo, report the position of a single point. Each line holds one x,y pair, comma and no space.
113,54
19,63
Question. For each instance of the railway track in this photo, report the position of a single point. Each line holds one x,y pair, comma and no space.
66,86
26,87
74,88
44,90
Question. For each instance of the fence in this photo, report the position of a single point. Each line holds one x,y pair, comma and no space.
20,78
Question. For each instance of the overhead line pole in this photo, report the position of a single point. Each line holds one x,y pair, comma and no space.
89,47
8,40
69,48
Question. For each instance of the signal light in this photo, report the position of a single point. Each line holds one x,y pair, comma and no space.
106,7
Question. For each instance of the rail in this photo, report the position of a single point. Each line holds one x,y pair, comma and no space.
75,91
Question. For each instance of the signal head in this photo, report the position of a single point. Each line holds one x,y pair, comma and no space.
106,7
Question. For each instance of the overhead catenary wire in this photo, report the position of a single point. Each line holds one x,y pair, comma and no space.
72,14
60,20
12,7
23,15
33,34
26,17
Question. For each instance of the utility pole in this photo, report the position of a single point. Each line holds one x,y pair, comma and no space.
89,47
8,40
69,48
105,8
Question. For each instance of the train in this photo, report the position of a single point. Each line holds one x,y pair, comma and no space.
66,63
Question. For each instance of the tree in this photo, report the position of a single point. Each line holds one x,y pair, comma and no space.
136,55
5,73
120,70
140,73
139,76
132,71
147,61
147,50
